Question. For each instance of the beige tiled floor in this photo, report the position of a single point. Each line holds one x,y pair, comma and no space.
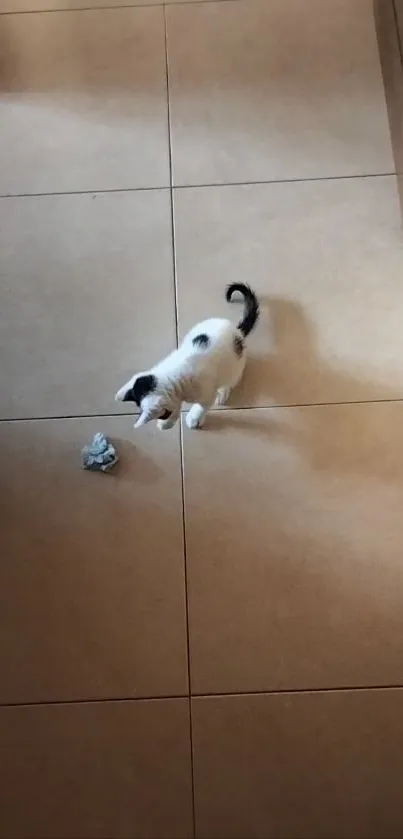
209,641
85,281
292,90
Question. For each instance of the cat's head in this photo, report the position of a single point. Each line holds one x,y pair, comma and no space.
145,391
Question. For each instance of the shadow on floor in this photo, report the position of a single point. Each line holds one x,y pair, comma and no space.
355,437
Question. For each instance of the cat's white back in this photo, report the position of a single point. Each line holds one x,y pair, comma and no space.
202,371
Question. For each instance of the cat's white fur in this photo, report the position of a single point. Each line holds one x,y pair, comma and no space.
202,371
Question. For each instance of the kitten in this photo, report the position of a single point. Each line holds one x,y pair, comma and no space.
202,371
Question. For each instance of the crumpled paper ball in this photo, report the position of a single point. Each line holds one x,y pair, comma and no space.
100,455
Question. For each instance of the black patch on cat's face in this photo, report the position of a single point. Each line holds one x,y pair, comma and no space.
239,345
201,341
141,388
165,415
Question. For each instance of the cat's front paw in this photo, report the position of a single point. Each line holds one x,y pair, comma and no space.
195,418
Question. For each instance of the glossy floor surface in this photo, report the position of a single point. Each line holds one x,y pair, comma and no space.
207,642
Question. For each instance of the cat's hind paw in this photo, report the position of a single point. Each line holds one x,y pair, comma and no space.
165,425
222,396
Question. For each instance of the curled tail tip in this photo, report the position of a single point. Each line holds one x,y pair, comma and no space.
251,305
241,288
229,292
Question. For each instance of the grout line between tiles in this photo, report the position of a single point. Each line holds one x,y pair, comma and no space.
181,454
227,410
120,6
141,5
187,630
171,180
285,180
207,695
85,192
296,691
105,700
97,8
213,185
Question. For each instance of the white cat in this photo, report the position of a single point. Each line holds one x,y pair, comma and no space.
202,371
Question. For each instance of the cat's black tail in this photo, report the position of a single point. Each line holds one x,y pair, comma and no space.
251,303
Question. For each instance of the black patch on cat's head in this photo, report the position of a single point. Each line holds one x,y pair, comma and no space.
239,345
201,341
141,388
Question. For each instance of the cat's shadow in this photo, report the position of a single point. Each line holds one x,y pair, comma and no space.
347,437
133,461
292,371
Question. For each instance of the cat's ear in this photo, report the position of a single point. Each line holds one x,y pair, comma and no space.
125,393
137,388
143,385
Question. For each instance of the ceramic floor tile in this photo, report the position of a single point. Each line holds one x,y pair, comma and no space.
326,259
87,299
9,6
92,572
83,101
294,542
92,771
278,90
60,5
307,766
